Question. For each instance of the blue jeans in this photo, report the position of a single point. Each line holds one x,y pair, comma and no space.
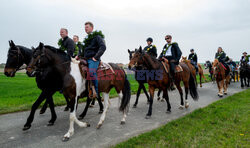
93,65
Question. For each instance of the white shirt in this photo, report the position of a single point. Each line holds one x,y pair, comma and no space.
168,53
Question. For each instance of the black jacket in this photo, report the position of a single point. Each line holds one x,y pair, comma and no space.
95,49
221,56
151,49
193,57
69,44
175,50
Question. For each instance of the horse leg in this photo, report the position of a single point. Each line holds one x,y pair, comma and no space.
158,95
165,95
106,106
137,95
99,100
83,114
72,119
45,105
33,110
52,109
181,94
226,84
67,106
92,103
123,120
221,83
151,91
146,93
200,80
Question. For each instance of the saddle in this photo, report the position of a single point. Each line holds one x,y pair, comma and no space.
165,64
103,70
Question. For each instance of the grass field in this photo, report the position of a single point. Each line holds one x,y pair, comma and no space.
20,92
225,123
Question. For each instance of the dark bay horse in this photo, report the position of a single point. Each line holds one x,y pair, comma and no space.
141,82
244,74
75,80
208,65
17,56
222,76
159,78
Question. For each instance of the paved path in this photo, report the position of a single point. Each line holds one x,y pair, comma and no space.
11,134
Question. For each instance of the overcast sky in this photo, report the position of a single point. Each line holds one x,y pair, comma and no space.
200,24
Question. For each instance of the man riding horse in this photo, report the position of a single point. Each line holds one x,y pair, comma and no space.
93,47
150,49
66,43
245,58
172,53
193,59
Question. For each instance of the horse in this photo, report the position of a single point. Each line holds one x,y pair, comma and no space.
17,56
209,66
141,82
244,74
200,70
222,76
74,82
159,78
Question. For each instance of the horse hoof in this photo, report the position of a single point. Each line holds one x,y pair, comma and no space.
187,105
159,98
80,117
100,112
88,125
200,85
147,117
168,111
98,126
65,139
66,109
91,106
162,100
26,127
134,106
50,124
122,122
42,111
181,107
220,96
225,93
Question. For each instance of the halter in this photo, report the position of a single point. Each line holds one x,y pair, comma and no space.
19,54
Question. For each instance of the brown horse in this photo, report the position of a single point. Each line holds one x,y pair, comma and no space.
200,70
75,82
158,77
221,74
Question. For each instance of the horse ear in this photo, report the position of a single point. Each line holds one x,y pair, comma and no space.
41,45
33,48
128,51
140,49
12,44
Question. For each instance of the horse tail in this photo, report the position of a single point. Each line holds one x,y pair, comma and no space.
193,88
126,95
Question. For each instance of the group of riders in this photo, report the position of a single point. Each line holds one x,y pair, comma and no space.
93,47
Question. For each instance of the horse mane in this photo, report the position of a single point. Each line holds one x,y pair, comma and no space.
57,51
152,61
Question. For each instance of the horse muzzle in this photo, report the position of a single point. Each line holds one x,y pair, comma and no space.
9,72
30,72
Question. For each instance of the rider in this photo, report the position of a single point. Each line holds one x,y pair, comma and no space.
221,55
151,49
66,43
93,47
78,46
172,53
245,57
193,59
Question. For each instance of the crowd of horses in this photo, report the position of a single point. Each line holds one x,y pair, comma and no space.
55,71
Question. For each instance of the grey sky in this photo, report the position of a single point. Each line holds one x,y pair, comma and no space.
202,25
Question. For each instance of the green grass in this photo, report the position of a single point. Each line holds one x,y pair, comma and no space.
225,123
20,92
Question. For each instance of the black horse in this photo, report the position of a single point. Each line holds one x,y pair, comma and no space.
209,65
17,56
244,74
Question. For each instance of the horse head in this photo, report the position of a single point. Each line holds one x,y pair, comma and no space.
15,60
39,60
216,67
136,58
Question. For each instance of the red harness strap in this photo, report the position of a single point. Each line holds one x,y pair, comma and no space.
223,66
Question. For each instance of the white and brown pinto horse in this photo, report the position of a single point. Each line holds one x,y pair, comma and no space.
75,80
222,76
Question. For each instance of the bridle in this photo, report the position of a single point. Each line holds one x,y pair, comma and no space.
20,57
